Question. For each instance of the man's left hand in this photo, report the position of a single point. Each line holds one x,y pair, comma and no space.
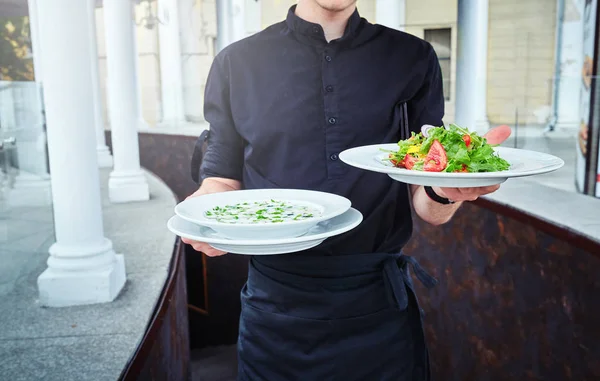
496,135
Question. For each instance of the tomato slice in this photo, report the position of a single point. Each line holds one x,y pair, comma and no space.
409,161
467,139
436,160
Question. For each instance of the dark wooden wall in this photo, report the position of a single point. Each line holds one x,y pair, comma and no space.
213,284
164,353
514,302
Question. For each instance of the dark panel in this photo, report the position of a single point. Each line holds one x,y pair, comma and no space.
513,303
225,277
214,301
168,157
164,353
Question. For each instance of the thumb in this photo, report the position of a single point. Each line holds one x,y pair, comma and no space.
498,135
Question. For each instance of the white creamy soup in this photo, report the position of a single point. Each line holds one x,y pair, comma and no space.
263,212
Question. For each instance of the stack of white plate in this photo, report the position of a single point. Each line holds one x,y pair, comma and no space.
265,221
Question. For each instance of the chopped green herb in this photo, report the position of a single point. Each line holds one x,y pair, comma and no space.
272,211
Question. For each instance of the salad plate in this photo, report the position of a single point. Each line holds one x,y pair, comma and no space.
315,236
451,157
522,163
262,213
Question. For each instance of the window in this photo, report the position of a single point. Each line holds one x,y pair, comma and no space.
441,40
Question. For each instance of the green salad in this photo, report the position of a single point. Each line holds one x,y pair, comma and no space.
260,212
455,149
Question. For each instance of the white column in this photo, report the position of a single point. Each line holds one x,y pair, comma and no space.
238,19
34,32
253,16
104,158
224,32
471,65
127,181
391,13
171,81
82,267
569,82
142,124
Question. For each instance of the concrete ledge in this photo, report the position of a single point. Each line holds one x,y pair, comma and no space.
92,342
569,211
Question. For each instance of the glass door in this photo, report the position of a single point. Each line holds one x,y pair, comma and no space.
26,221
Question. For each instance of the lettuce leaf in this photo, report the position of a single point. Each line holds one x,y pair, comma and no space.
479,156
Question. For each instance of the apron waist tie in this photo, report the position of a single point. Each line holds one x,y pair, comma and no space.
397,277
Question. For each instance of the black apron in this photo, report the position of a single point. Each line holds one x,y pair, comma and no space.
346,318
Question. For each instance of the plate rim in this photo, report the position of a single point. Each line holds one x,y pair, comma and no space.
268,250
358,218
344,156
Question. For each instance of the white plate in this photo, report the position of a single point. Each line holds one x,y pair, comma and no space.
523,163
193,210
336,226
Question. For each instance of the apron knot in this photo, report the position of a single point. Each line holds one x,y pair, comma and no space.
422,275
397,277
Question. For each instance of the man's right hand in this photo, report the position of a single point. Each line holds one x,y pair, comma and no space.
211,185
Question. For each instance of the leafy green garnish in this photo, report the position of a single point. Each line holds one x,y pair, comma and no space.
478,156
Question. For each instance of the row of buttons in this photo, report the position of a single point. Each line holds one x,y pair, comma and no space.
329,89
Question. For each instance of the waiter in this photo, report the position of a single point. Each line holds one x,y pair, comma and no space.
282,105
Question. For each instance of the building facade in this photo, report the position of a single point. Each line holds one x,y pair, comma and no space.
521,58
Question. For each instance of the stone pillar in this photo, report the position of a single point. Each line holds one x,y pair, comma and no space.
568,83
142,124
82,268
238,20
104,158
171,81
253,15
391,13
34,32
127,181
471,65
224,36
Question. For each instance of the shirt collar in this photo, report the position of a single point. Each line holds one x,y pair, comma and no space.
315,31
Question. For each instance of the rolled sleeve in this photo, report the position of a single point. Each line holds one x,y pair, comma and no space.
224,154
427,106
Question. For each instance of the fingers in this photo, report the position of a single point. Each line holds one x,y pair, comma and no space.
203,248
468,194
487,190
195,194
498,135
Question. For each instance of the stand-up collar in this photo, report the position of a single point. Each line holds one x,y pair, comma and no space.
315,31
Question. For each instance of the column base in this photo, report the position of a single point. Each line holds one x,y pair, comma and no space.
566,123
59,288
128,187
30,190
105,159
